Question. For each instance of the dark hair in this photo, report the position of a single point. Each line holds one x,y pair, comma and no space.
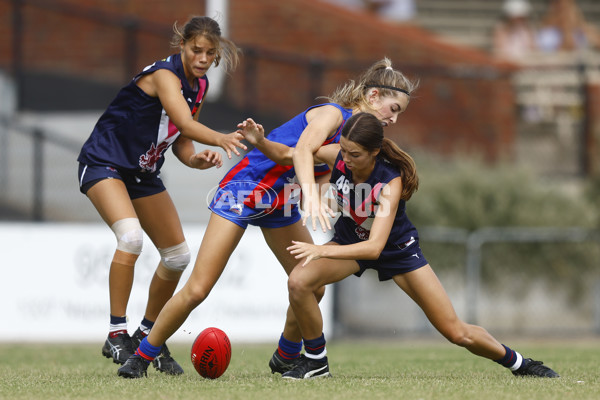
227,51
366,130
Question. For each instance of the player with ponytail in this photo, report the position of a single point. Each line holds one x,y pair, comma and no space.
372,179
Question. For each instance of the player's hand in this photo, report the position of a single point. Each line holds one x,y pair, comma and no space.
316,210
230,142
206,159
254,133
304,250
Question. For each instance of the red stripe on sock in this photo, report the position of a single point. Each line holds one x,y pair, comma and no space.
287,356
144,356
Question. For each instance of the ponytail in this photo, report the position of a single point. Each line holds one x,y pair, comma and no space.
366,130
404,163
380,75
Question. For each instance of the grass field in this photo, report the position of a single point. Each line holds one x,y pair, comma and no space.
361,369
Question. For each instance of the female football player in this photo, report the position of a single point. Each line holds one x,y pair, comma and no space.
371,181
256,191
119,171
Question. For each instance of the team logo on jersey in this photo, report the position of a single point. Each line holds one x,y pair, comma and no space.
362,233
148,161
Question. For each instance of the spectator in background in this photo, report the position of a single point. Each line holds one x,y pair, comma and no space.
514,36
564,29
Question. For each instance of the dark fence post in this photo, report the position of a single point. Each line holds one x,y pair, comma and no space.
131,27
584,169
38,175
17,49
315,75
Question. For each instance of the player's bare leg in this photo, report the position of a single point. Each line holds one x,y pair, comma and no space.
290,343
111,200
302,283
423,286
166,232
219,242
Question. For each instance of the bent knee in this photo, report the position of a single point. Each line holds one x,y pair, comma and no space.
300,284
174,261
457,332
296,284
195,294
130,236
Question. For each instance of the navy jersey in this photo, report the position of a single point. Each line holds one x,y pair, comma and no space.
359,205
262,181
134,131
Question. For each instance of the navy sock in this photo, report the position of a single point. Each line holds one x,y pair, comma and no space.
147,351
288,349
315,348
118,325
145,326
118,320
511,359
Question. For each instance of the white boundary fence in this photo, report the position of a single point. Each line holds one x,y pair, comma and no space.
55,286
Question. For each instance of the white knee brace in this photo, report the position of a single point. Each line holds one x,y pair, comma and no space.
176,257
130,236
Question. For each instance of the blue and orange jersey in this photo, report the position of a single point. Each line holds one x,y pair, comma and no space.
134,131
257,179
359,205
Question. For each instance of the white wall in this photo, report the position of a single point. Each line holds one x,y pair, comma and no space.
54,286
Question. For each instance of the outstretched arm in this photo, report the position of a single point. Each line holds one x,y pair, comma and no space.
278,152
369,249
255,135
166,86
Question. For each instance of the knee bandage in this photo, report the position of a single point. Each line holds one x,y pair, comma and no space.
176,258
130,236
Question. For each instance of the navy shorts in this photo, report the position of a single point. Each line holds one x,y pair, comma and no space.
225,204
140,184
392,261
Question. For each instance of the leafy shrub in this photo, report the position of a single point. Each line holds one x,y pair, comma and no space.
471,195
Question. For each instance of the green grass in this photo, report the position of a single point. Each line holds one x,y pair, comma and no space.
361,369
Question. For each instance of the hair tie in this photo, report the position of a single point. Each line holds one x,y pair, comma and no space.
390,68
406,92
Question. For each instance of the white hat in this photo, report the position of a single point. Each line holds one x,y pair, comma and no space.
516,8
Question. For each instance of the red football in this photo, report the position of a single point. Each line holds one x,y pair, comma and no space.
211,353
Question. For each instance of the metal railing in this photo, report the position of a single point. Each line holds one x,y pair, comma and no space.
40,139
475,241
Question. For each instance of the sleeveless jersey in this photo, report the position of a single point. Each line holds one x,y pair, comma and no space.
134,131
258,182
359,205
